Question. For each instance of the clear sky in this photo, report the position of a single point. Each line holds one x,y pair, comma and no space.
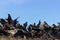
31,10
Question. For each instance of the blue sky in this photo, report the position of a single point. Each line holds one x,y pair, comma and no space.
31,10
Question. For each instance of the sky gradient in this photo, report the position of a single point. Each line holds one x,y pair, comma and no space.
31,10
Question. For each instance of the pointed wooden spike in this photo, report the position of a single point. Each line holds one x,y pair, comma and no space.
39,21
2,21
25,25
15,21
45,22
34,24
38,25
16,18
9,19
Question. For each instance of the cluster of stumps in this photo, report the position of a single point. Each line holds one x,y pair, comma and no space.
10,27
